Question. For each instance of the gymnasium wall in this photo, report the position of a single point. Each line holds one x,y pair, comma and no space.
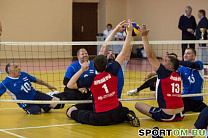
35,21
51,20
162,16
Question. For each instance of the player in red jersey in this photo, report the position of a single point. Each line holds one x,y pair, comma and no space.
106,108
168,86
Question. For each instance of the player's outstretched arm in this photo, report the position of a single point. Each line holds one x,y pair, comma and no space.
41,82
149,75
129,51
149,52
72,84
120,27
120,58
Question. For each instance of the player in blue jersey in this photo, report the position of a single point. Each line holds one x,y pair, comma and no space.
18,85
111,56
192,74
106,108
81,93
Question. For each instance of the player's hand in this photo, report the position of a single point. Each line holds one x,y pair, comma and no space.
83,90
52,88
145,78
121,26
85,66
129,27
143,30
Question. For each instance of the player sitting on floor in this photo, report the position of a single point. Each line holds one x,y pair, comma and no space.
19,87
192,74
168,87
201,123
111,56
149,81
81,93
106,108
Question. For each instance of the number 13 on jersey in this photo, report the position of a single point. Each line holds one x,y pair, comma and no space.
175,88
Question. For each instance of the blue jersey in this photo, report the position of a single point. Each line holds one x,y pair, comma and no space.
192,80
120,81
19,88
75,67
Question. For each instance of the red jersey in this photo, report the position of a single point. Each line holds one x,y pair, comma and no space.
168,89
103,87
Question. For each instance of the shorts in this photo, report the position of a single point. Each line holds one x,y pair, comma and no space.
73,94
36,108
159,115
86,115
193,105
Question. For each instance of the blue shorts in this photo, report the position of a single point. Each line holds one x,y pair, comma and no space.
36,108
159,115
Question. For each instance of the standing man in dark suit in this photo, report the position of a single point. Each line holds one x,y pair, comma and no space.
187,24
203,23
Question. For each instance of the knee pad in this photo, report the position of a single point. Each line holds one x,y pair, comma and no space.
59,106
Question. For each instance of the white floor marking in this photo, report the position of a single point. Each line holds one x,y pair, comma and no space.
11,133
8,108
42,126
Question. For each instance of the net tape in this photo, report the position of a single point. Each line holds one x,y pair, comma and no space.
104,42
90,101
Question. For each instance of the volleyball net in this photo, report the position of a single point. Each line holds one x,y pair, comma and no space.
50,60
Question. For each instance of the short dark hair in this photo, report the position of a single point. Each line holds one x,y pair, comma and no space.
173,54
175,62
202,12
109,25
7,67
193,50
100,63
81,49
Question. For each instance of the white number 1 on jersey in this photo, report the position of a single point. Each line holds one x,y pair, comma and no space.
105,87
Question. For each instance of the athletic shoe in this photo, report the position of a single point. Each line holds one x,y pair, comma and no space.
132,92
133,119
52,93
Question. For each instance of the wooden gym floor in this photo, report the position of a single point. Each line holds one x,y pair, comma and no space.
16,123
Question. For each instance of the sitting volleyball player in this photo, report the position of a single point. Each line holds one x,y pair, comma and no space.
201,123
106,108
150,80
19,87
81,93
192,74
168,87
111,56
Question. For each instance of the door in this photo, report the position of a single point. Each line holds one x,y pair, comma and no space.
84,26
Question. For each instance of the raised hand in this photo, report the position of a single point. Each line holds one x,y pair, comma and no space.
129,27
143,30
121,26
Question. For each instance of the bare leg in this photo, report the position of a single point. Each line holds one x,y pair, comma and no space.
70,110
143,108
54,99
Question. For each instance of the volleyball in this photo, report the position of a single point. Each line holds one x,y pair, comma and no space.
135,31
